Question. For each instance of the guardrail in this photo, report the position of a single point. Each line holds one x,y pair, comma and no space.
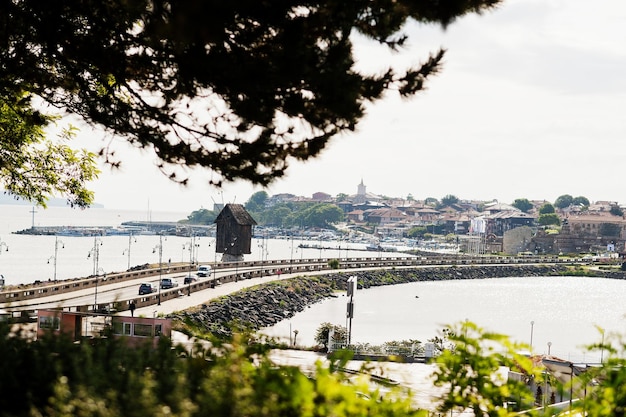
260,269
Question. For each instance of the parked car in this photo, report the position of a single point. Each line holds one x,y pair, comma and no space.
167,283
190,278
204,270
147,288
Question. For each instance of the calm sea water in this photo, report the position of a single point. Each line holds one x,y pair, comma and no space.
565,310
31,258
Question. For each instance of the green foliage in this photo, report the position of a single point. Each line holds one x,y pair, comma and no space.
616,210
240,89
442,342
580,201
563,201
547,209
298,214
58,378
321,334
449,200
334,263
202,216
54,376
321,215
470,373
522,204
603,388
416,232
35,168
403,347
549,219
256,202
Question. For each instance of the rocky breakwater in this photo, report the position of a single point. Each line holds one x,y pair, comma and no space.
268,304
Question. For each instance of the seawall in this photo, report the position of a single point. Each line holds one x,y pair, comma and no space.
267,304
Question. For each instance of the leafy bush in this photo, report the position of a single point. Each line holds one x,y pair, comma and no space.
55,377
321,335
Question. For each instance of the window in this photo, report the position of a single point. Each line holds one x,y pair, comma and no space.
144,330
48,322
121,328
158,329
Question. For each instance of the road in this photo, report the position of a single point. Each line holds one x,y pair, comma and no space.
90,294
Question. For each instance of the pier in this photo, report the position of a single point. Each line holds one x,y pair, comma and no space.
134,228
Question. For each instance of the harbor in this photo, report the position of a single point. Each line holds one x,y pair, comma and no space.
134,228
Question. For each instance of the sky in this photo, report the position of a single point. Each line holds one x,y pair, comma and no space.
531,103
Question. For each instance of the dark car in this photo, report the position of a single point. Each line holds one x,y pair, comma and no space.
190,278
147,288
167,283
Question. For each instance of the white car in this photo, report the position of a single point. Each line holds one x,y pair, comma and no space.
204,270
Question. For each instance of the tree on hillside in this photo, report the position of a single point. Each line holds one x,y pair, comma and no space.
547,209
416,232
431,201
257,201
616,210
276,216
240,88
449,200
321,215
548,219
522,204
202,216
563,201
580,201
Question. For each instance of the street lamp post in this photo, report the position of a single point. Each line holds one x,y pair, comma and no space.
549,346
131,239
532,324
291,259
95,253
95,298
159,247
352,287
54,258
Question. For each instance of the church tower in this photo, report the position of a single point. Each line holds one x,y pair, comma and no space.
361,193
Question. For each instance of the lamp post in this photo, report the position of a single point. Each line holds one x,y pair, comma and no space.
193,250
131,239
95,298
159,247
95,253
54,257
549,346
191,247
291,258
352,287
214,266
532,324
